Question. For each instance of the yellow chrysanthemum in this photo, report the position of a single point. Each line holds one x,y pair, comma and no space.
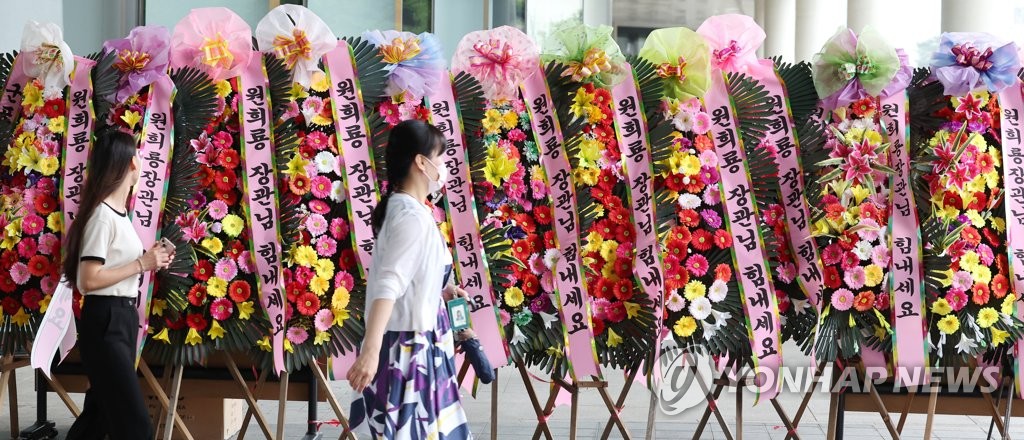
232,225
999,224
595,115
305,256
987,316
588,176
340,299
872,275
941,307
55,222
223,88
685,326
320,82
324,268
509,120
492,121
949,324
319,285
514,296
213,244
216,287
969,261
56,125
695,289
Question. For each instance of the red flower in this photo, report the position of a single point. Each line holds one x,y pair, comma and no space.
722,239
229,197
620,216
530,285
206,176
197,295
971,236
203,270
832,278
598,326
979,294
689,218
228,159
623,267
676,248
308,304
616,312
10,305
864,301
624,233
549,239
235,249
38,265
624,289
702,240
675,275
31,299
196,321
293,291
225,180
991,237
604,289
299,184
675,182
346,259
53,108
239,291
681,233
176,324
522,249
7,284
542,214
1000,285
723,272
525,222
8,258
597,264
864,107
45,204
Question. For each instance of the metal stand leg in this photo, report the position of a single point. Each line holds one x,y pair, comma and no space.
311,428
42,429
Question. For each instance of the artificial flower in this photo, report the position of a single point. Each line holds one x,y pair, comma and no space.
682,59
298,37
500,59
141,58
215,40
47,57
415,62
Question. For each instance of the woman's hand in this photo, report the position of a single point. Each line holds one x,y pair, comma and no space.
453,292
157,258
362,372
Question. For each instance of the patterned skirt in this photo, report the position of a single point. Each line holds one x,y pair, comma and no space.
415,394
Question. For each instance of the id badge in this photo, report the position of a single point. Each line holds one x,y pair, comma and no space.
458,314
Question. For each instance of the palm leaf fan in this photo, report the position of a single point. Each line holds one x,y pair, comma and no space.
195,105
174,283
927,98
799,84
650,86
6,126
105,78
286,143
751,106
279,77
370,68
812,150
470,96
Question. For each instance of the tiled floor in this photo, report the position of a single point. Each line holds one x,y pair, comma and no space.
516,419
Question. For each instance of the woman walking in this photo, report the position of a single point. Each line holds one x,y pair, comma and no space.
405,372
103,258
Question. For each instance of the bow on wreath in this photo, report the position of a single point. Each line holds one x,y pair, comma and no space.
851,67
682,59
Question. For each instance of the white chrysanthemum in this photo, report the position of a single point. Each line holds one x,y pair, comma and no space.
689,201
550,258
718,291
325,161
700,308
675,302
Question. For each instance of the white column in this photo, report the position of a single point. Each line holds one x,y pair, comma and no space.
874,13
994,16
816,21
597,12
779,28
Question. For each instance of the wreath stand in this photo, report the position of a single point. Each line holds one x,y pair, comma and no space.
874,401
573,387
494,396
8,380
318,381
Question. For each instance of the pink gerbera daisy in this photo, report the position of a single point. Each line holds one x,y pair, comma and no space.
297,335
226,269
32,224
323,320
326,246
218,209
344,279
842,299
320,186
20,273
245,263
697,265
339,228
319,207
316,224
221,309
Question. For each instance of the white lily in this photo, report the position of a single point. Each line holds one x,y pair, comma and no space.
517,336
548,319
48,57
966,345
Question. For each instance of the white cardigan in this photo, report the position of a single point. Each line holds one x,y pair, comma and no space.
409,261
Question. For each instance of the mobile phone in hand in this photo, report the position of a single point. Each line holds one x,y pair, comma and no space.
168,246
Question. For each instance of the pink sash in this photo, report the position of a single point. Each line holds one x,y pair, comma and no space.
1012,103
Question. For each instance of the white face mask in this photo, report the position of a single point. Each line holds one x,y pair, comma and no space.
442,177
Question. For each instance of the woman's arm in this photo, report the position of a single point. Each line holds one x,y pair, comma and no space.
93,275
365,367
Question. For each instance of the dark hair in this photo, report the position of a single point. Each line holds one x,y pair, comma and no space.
408,139
107,168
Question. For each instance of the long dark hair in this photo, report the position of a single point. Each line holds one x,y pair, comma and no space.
408,139
108,167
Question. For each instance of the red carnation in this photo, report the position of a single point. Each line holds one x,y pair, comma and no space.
203,270
196,321
308,304
197,295
238,291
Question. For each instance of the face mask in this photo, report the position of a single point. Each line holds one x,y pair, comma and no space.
442,177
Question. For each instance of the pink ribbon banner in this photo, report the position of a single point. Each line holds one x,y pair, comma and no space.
10,100
907,267
760,304
57,329
631,131
573,301
261,197
471,263
155,150
1012,103
353,136
791,180
78,136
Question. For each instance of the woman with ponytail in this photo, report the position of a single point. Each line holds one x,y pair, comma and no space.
103,257
405,372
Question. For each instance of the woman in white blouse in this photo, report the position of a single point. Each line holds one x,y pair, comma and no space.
103,258
405,372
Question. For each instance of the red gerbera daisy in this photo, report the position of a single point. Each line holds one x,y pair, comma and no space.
543,214
689,218
723,272
225,180
979,294
701,240
203,270
722,239
238,291
530,285
308,304
45,204
196,321
38,265
228,159
832,278
197,295
624,289
1000,285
